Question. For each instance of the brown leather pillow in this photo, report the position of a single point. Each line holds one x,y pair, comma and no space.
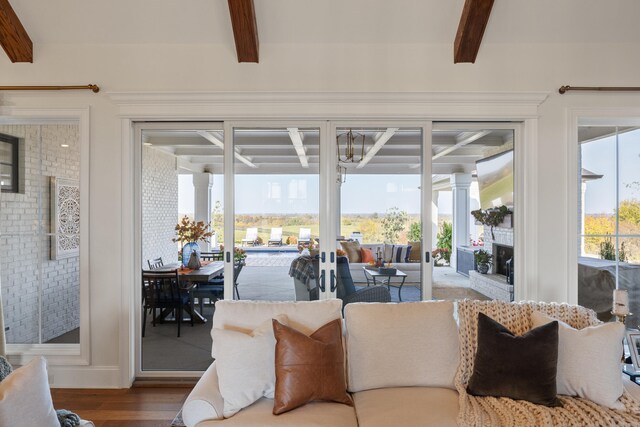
309,367
519,367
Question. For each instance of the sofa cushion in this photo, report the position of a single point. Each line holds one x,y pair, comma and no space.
366,256
25,398
309,367
245,316
519,367
401,254
314,414
414,255
401,345
352,248
588,360
245,364
407,406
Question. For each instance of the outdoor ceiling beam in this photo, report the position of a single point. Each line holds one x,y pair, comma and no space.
466,138
296,140
380,140
217,141
13,37
475,15
245,29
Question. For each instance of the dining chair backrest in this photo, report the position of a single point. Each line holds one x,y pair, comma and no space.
212,256
155,263
160,288
276,233
305,234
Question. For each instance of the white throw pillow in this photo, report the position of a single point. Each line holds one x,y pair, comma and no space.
411,344
588,361
25,398
246,365
245,316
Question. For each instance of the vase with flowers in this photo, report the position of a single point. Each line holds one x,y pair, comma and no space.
189,233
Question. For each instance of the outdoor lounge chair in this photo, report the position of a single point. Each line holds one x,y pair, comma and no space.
276,237
304,237
251,236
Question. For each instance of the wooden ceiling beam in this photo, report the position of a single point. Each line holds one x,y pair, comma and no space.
473,22
13,37
245,30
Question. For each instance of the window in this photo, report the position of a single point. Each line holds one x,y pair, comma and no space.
609,217
8,163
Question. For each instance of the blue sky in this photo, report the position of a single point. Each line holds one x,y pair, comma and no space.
300,194
600,157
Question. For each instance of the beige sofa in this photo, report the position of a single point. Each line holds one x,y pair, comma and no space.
404,366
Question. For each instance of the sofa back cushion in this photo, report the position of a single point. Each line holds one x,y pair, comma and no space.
401,345
352,249
245,316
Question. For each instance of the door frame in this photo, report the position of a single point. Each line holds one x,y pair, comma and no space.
223,106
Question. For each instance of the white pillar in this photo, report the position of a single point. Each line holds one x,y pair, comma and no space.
202,184
434,219
460,186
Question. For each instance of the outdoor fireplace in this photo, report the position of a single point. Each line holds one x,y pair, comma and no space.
502,259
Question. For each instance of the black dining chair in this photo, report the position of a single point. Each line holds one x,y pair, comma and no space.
212,256
155,263
214,288
161,290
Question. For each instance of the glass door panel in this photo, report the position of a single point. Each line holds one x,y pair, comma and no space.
378,187
472,169
182,184
277,204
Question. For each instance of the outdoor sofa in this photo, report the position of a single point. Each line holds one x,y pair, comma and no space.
406,365
409,267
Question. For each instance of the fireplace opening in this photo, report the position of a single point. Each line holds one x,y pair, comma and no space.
502,258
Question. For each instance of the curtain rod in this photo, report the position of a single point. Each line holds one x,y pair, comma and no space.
92,87
567,88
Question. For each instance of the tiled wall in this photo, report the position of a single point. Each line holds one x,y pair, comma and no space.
27,274
159,205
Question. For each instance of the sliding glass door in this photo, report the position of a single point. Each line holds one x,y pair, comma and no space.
276,231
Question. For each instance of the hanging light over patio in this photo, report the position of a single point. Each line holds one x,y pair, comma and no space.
349,144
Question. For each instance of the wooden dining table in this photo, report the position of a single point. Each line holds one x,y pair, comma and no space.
189,279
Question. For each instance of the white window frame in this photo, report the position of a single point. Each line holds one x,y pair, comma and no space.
575,118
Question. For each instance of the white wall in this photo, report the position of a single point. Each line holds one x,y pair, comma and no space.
290,67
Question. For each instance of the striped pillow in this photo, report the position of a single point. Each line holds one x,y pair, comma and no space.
401,253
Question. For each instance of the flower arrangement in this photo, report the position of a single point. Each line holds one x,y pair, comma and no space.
239,255
192,231
441,254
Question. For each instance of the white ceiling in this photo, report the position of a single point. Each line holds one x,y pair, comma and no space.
326,21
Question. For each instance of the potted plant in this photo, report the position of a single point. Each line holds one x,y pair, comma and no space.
239,255
189,233
483,261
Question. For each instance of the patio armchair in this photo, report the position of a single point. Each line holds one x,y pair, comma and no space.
304,237
347,291
276,237
251,237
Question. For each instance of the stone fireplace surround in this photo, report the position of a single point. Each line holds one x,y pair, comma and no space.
494,285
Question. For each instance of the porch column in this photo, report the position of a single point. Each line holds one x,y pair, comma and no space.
202,184
434,219
460,186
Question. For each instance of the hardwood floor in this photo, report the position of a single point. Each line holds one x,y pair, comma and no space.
134,407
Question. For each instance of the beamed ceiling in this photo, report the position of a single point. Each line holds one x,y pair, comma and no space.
462,24
273,151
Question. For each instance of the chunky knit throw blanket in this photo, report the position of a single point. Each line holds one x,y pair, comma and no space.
492,411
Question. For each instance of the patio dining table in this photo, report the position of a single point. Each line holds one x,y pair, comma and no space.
189,279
